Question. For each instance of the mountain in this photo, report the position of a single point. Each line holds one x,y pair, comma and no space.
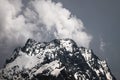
59,59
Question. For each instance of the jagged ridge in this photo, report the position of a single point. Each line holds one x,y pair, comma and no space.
55,60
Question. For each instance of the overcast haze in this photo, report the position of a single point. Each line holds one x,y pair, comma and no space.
91,23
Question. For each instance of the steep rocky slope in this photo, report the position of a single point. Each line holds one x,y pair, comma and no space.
60,59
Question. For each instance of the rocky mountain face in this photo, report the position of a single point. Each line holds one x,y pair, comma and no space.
60,59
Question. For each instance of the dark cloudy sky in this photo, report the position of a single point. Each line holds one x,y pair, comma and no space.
102,20
91,23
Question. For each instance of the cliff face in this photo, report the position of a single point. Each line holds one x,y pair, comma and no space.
60,59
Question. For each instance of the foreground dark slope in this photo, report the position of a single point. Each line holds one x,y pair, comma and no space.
60,59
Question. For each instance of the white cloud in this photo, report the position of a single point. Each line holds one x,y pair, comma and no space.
42,20
102,44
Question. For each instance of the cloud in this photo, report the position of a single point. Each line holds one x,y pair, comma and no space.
102,44
42,20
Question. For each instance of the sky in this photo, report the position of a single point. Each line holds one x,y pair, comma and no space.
91,23
101,18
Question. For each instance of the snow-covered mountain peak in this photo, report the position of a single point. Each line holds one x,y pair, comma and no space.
55,60
33,47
